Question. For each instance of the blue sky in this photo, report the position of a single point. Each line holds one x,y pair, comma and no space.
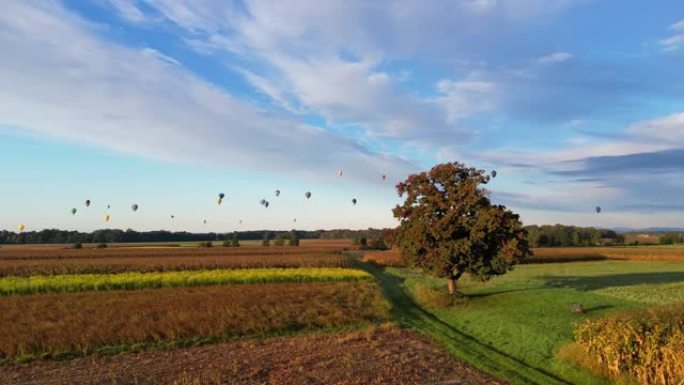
165,103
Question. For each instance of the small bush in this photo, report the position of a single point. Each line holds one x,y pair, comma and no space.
438,298
77,245
205,244
102,246
279,240
227,244
645,346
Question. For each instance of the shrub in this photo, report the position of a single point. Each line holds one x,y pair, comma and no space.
102,246
266,241
227,244
78,245
646,346
294,239
205,244
279,240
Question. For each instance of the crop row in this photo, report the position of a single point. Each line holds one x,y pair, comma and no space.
63,252
54,325
112,265
137,280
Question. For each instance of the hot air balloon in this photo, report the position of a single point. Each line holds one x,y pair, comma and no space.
204,222
134,207
222,195
21,227
173,216
354,201
266,204
493,173
295,220
339,173
108,206
219,201
240,222
87,203
106,218
262,202
277,193
598,209
73,211
384,177
307,195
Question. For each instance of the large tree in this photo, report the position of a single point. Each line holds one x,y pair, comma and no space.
448,226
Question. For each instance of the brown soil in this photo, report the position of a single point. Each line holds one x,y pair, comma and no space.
374,356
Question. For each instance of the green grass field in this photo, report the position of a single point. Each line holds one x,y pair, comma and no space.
137,280
514,325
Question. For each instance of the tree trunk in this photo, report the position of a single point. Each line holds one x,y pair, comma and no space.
452,286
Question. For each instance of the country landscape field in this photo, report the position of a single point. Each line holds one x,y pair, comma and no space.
341,192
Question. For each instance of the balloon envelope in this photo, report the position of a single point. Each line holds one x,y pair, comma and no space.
354,201
598,209
73,211
384,177
21,227
87,203
277,193
134,207
222,195
106,218
494,174
307,195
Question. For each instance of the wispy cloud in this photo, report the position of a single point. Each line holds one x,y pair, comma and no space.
57,79
676,40
556,57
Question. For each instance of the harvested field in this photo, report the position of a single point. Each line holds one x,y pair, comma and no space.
111,265
563,254
136,280
385,258
62,252
377,356
83,323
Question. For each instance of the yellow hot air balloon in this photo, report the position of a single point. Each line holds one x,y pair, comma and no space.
219,201
106,218
21,227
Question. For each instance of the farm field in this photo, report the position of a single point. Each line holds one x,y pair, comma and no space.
278,301
376,356
513,326
137,280
90,322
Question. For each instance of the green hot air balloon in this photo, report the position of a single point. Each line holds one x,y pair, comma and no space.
73,211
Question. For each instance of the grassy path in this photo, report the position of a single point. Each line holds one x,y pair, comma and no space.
485,357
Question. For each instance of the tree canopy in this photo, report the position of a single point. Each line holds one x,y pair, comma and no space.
448,225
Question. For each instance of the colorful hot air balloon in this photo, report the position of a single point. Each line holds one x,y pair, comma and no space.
134,207
384,177
87,203
73,211
21,227
354,201
277,193
598,209
219,201
106,218
307,195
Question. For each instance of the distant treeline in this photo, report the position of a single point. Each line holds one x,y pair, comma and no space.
568,236
131,236
538,236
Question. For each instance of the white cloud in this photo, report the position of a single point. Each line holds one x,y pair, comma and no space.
556,57
466,97
58,80
675,41
128,10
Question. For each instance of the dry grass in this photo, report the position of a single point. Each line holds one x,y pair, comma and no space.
84,322
385,258
646,346
374,356
111,265
569,254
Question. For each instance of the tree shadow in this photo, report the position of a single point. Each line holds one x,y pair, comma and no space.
597,308
409,314
604,281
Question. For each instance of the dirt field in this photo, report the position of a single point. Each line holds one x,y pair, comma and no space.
375,356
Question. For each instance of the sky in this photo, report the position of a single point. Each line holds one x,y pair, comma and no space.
166,103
